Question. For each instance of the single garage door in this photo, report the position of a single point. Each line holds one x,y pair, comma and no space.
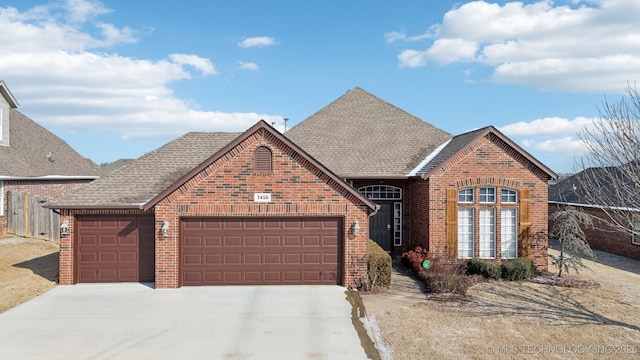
260,251
115,248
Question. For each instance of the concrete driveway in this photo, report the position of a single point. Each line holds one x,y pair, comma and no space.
134,321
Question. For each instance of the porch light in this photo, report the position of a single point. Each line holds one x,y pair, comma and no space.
64,227
165,228
356,228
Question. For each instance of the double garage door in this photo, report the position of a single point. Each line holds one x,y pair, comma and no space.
213,251
252,251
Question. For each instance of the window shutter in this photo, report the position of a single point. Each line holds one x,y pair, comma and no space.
524,241
262,159
452,223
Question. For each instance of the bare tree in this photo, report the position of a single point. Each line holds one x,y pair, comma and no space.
611,176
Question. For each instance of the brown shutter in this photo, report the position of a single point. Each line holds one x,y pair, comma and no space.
452,223
524,240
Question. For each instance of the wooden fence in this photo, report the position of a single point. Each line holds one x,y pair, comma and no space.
26,217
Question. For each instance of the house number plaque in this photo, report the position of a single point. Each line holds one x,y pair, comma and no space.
262,197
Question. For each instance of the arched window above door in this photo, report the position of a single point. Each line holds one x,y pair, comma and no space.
381,192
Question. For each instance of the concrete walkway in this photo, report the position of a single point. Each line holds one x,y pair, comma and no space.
134,321
404,291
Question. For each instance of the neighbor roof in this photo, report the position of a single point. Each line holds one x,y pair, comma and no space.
135,183
462,141
34,152
361,136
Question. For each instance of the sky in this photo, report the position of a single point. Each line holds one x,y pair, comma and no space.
117,79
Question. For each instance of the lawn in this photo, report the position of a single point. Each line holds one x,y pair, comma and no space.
511,320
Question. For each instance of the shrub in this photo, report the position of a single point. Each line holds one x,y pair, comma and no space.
518,269
489,270
439,278
379,266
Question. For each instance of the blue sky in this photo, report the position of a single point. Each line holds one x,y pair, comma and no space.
116,79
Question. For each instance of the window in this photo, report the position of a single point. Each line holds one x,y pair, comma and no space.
635,238
487,195
381,192
509,233
1,198
1,129
509,196
487,233
397,224
465,233
465,196
262,159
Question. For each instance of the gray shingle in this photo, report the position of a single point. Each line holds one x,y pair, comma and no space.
360,135
30,145
138,181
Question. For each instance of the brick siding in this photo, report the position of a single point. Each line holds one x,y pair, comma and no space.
603,237
488,162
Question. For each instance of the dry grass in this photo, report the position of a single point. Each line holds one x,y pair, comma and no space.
28,268
508,320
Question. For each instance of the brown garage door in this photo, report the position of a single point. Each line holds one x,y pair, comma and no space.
260,251
115,248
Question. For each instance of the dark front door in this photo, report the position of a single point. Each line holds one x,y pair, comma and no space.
380,225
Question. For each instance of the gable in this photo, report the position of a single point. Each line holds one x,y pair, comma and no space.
230,173
293,185
503,153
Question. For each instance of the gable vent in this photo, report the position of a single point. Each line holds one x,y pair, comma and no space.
262,159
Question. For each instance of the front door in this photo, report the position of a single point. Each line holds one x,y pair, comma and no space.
380,225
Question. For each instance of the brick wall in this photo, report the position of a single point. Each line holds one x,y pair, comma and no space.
488,162
603,237
227,186
46,189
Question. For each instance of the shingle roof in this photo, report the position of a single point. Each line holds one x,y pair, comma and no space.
137,182
572,190
145,181
460,142
30,145
360,135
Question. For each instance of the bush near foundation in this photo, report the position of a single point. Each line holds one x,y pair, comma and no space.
438,278
518,269
489,270
379,266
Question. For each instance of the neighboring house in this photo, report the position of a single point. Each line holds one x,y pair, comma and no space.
570,193
263,207
34,162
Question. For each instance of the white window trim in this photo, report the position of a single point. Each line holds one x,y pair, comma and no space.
492,238
466,202
509,202
397,223
502,232
473,235
494,195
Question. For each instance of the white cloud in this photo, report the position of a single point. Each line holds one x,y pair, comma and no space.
566,145
553,126
248,66
591,46
202,64
62,74
258,41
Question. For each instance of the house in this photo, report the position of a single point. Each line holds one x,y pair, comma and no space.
263,207
477,194
34,162
570,192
